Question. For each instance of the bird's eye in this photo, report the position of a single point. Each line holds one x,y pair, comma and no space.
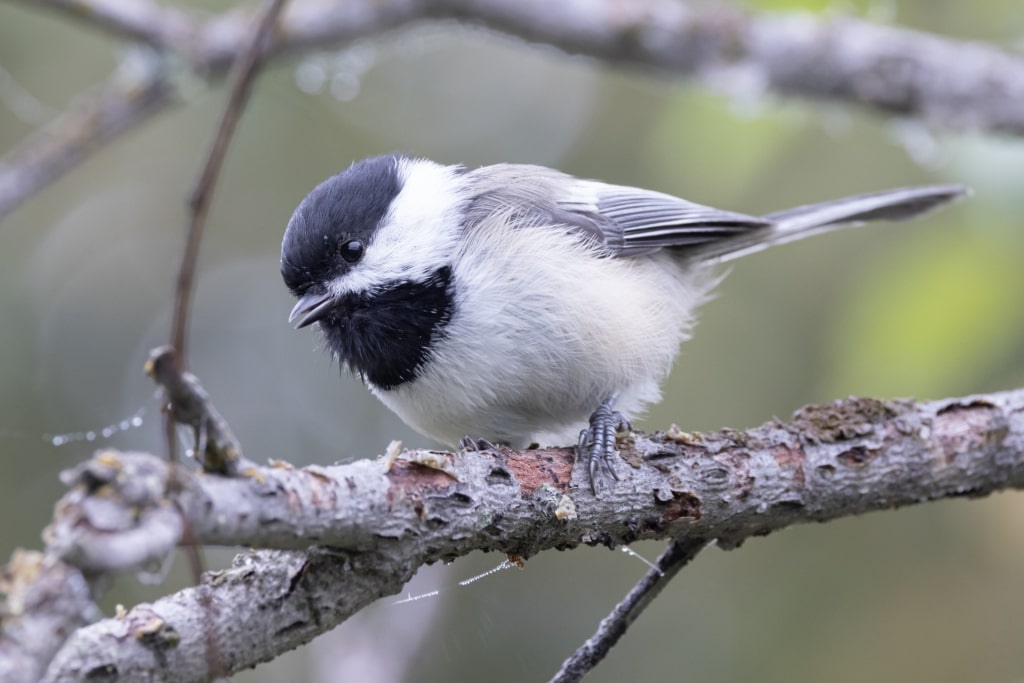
351,250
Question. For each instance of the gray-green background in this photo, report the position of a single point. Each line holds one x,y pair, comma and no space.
928,310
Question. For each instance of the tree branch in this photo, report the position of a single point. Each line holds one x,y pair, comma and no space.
850,457
45,600
216,447
677,555
135,93
943,82
145,21
291,596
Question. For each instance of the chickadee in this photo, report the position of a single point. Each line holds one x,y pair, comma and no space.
517,304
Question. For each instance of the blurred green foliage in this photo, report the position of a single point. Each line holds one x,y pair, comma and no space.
931,310
925,309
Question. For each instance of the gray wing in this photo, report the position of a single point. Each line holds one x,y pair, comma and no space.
626,221
635,221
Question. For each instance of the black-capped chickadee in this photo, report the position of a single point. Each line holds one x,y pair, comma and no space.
517,304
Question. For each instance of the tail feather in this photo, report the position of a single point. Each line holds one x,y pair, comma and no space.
804,221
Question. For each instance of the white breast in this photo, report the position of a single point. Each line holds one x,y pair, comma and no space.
544,329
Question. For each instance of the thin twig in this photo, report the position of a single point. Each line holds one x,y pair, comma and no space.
676,556
244,75
217,449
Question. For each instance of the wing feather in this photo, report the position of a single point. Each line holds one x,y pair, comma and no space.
623,221
636,221
629,221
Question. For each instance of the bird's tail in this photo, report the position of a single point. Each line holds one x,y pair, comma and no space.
804,221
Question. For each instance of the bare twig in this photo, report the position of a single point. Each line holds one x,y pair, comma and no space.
241,85
846,458
216,447
942,82
676,556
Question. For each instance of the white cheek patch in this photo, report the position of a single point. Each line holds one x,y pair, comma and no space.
419,233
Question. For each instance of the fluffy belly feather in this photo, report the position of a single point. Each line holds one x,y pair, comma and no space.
530,351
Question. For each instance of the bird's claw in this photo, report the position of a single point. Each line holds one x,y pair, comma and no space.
469,443
597,444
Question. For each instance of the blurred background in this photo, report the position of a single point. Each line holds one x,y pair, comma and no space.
927,309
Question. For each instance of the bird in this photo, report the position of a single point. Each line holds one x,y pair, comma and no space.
513,304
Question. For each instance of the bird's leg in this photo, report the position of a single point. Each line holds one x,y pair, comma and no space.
469,443
597,443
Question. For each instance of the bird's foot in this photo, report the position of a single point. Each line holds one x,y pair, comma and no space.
469,443
597,443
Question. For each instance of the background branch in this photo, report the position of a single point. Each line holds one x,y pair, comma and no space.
153,23
677,555
940,81
135,93
830,461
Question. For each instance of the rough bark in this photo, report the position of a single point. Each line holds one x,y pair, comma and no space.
381,522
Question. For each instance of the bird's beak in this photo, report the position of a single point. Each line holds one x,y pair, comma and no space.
310,309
